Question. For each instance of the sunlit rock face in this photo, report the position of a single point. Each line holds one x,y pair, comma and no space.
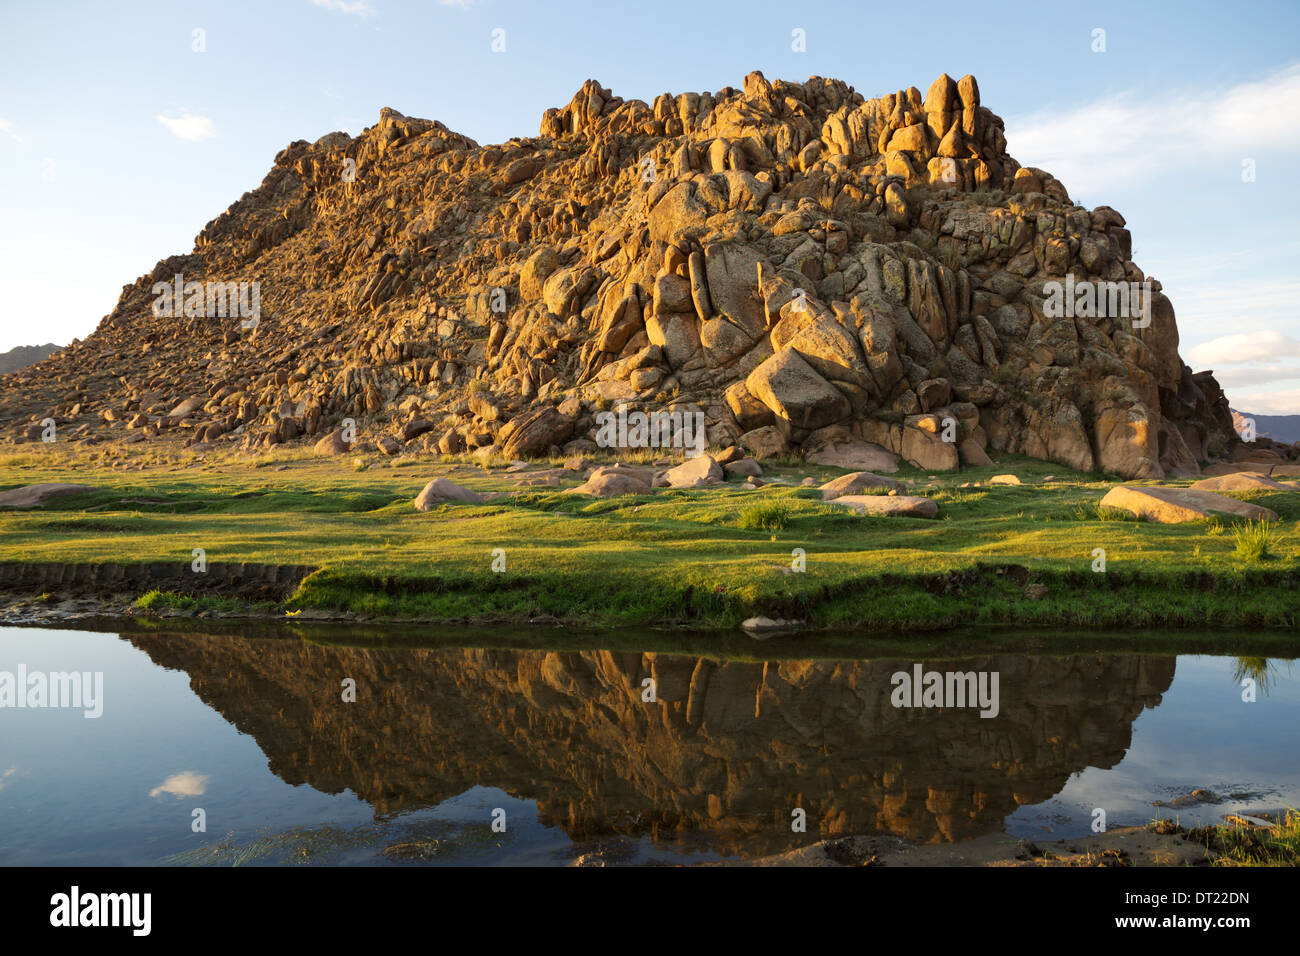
788,256
728,749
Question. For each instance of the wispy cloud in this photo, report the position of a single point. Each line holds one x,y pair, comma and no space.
1253,376
7,128
1131,137
463,4
360,8
1285,402
1262,346
188,126
187,783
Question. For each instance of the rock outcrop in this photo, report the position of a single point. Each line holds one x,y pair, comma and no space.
806,268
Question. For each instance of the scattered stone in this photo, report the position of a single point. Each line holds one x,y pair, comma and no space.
1195,798
894,505
1176,505
858,482
694,473
186,408
440,491
759,625
415,428
858,455
743,466
763,443
611,481
1240,481
34,496
333,444
1229,468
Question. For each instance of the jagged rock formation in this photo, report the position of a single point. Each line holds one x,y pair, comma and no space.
801,264
728,747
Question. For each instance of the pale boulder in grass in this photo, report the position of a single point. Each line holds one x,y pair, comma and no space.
440,491
858,482
694,473
34,496
612,481
904,506
1241,481
1176,505
332,444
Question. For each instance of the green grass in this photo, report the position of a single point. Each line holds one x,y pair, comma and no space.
1254,539
706,557
771,516
161,602
1236,844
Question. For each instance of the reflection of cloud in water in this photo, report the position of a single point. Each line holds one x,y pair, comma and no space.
187,783
6,775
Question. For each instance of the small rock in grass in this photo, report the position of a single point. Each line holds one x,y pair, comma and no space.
440,491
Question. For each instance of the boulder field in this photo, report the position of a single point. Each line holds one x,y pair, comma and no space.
802,269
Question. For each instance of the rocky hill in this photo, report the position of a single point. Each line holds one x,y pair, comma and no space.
808,268
21,356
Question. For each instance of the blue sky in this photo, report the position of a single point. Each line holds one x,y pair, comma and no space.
119,142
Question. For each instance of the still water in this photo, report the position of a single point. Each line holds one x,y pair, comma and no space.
253,739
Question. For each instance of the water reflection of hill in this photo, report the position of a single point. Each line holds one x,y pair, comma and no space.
729,747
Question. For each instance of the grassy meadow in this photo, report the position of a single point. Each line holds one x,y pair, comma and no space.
996,555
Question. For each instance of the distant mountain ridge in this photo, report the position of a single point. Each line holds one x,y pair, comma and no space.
22,356
1283,428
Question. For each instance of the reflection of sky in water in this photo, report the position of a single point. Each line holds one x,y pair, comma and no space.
121,789
1202,735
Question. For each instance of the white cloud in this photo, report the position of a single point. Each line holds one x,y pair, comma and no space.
7,128
1252,376
189,126
1241,347
463,4
360,8
1131,137
1286,402
187,783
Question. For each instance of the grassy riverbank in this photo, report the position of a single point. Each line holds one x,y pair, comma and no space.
996,555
